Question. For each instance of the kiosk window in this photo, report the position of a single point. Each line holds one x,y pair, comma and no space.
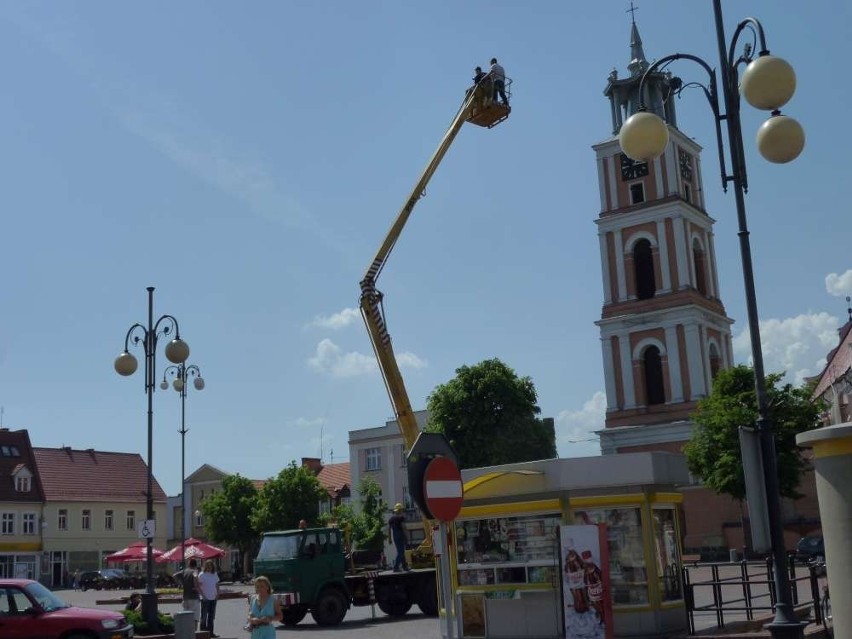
627,571
665,551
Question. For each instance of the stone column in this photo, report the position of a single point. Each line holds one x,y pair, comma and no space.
832,448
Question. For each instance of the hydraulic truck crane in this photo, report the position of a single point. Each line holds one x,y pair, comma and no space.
481,108
307,567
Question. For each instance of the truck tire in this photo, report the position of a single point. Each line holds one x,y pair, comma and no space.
292,615
393,600
330,608
427,597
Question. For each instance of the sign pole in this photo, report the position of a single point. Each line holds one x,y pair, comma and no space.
446,581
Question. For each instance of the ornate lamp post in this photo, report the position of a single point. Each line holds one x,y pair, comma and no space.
767,83
125,364
180,373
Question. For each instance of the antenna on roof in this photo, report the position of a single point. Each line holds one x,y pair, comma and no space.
321,428
848,310
332,456
2,410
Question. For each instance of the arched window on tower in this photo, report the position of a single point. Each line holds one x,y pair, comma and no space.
652,368
643,263
699,262
715,361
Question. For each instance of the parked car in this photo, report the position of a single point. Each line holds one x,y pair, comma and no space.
28,609
810,547
106,579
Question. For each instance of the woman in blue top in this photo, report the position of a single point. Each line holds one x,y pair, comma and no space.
264,610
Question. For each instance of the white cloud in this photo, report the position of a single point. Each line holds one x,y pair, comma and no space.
575,430
839,285
338,320
797,345
332,360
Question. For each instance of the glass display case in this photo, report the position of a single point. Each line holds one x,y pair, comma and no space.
508,550
666,554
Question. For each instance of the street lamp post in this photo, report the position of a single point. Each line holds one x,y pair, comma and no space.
768,83
125,364
180,373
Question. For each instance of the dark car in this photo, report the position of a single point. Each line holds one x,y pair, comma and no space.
28,609
106,579
810,548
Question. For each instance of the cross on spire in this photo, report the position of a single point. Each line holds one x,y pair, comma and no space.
848,308
632,11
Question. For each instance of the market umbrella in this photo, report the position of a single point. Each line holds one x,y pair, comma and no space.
137,551
195,549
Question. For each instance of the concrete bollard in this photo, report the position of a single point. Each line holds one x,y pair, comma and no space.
832,448
184,624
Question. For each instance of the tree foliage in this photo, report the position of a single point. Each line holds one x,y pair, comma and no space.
227,513
713,454
292,495
368,524
489,415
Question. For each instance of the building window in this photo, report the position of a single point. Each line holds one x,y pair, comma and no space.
131,520
23,483
28,524
637,193
7,524
652,366
108,517
687,193
643,264
715,361
374,459
86,520
62,519
700,264
199,519
402,453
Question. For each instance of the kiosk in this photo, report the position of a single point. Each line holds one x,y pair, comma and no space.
508,566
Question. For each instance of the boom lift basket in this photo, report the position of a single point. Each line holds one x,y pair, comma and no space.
487,111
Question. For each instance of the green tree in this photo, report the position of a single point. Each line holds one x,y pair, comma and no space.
488,414
227,514
713,454
292,495
368,526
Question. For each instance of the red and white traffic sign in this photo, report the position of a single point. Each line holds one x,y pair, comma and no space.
443,489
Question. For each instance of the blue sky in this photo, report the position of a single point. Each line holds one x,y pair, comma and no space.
247,160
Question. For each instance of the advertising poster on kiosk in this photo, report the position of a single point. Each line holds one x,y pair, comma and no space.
587,601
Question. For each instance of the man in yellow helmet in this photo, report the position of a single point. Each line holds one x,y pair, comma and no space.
399,536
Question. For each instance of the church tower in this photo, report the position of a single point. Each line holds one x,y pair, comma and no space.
664,331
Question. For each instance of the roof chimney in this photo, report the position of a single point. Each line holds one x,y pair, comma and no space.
314,464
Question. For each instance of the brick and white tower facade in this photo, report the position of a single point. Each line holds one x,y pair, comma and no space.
664,331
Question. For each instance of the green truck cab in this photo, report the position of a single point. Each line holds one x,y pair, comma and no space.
309,573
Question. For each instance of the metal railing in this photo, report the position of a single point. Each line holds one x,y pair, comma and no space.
740,589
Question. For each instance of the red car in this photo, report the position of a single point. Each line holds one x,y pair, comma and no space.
28,610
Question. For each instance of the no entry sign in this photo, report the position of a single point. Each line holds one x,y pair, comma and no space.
443,489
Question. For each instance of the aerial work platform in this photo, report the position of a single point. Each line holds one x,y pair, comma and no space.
486,110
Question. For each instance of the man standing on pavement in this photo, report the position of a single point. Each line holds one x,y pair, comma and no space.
208,582
191,590
397,534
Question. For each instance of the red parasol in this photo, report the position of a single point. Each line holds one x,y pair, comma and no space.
195,549
137,551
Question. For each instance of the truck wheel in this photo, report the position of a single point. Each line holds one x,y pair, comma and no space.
293,615
330,608
427,597
394,601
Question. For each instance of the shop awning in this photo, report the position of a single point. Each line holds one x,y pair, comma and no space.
504,482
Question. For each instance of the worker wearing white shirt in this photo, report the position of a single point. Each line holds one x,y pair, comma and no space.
498,76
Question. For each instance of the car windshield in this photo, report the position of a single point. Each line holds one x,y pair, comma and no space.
46,599
279,547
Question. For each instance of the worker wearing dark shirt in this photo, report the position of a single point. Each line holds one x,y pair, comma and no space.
397,534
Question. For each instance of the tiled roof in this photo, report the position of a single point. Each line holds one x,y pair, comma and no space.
335,477
93,475
258,483
15,451
838,362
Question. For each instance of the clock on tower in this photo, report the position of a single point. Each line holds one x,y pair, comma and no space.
631,169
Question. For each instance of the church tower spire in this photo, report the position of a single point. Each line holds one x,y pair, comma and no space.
638,64
624,94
